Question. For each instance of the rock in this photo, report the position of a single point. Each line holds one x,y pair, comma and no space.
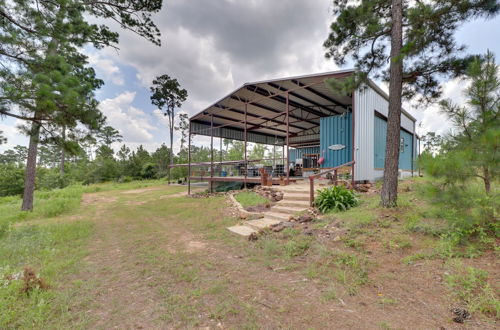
308,232
278,228
305,218
243,216
291,218
253,237
336,238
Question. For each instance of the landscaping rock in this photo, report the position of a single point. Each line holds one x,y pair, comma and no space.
305,218
461,315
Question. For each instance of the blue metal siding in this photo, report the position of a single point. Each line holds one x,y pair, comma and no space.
380,143
405,152
336,130
298,153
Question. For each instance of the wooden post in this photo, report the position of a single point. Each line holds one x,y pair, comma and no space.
287,140
311,191
189,159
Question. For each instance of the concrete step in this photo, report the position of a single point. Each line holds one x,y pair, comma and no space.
242,230
277,216
262,223
287,209
293,203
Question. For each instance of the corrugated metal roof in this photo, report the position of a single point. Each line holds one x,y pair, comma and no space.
309,100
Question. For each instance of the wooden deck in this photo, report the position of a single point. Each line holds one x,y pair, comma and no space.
250,179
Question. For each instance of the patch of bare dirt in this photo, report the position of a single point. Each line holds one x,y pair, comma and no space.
142,190
96,198
135,202
125,263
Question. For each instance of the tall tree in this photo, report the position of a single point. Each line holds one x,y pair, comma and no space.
47,80
108,135
416,39
167,95
472,150
183,127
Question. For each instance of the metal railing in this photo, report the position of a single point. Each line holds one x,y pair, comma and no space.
334,178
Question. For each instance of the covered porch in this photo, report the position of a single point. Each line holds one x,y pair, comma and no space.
300,115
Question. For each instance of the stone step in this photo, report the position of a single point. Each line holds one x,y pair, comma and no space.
277,216
287,209
262,223
296,197
242,230
293,203
295,191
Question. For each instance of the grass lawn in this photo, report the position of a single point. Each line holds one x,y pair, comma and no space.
143,255
250,198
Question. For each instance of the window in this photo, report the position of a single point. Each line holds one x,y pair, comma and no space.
402,145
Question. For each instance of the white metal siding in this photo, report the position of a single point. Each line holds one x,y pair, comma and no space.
366,102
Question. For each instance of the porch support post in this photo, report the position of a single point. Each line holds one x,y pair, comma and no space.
287,139
353,139
189,159
246,163
211,153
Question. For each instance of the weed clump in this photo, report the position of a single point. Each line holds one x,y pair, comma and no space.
32,282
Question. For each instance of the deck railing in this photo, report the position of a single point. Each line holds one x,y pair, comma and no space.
335,177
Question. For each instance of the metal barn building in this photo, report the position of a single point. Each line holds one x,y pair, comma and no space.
318,129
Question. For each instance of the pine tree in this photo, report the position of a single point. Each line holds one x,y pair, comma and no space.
408,43
472,150
167,95
47,79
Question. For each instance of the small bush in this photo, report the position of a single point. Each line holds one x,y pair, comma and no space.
335,198
11,180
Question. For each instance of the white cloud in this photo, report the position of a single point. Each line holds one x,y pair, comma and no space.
13,135
133,123
107,68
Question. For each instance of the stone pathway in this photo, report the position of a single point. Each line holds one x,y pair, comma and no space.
295,199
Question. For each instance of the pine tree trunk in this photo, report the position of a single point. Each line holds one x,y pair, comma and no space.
389,192
171,156
29,178
487,179
63,153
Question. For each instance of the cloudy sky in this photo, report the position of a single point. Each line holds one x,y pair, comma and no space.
212,47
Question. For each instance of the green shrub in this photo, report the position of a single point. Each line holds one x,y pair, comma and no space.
53,180
336,198
11,180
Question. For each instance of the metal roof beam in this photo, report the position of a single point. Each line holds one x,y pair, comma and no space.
252,115
281,99
265,107
315,92
303,98
232,128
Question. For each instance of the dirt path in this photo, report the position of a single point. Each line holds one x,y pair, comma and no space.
161,260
